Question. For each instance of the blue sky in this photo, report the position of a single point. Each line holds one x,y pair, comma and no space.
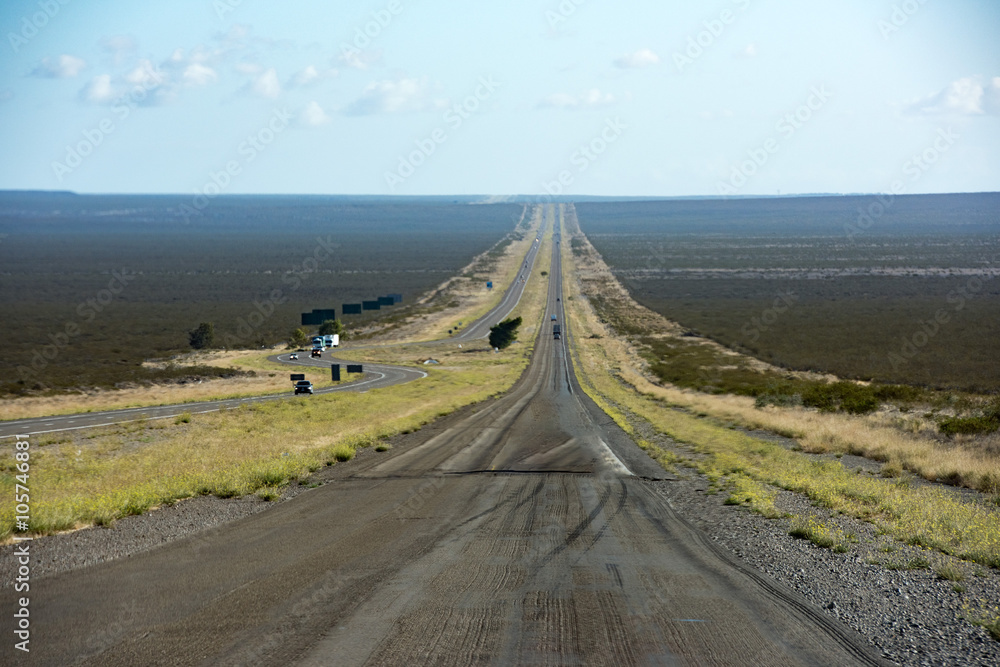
585,97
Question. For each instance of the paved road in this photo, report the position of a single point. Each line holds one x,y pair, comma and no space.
376,376
529,531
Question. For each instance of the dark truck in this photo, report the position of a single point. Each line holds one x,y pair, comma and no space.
555,331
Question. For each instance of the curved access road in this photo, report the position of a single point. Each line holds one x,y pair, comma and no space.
376,376
529,531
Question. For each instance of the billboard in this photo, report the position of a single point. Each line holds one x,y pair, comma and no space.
351,309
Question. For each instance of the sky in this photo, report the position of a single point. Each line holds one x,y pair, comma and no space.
530,97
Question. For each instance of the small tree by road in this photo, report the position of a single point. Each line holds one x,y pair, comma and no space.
202,337
505,333
298,338
331,328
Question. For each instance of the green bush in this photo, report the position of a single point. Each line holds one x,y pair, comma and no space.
505,333
969,425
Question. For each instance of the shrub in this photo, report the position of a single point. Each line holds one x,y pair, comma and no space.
969,425
505,333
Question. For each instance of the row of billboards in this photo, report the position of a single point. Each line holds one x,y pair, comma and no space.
320,315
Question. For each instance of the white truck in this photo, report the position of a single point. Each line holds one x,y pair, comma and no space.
332,341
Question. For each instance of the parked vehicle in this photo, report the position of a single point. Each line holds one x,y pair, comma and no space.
303,387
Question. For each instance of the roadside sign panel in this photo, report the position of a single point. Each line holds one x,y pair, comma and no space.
335,372
355,368
298,376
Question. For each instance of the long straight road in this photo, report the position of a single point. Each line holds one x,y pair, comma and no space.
529,531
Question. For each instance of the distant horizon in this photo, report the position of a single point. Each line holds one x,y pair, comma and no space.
500,198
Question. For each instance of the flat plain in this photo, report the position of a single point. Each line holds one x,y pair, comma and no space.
898,290
93,286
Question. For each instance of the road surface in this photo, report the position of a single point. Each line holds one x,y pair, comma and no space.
528,531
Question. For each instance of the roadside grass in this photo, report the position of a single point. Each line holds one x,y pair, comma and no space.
269,378
96,476
820,534
107,474
918,515
984,615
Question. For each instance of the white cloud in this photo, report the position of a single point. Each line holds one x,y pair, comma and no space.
313,115
145,74
968,96
310,75
99,90
249,68
119,47
199,75
589,99
267,84
639,59
749,52
401,96
63,67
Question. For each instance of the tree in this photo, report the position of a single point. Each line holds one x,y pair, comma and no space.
331,328
505,333
203,336
298,338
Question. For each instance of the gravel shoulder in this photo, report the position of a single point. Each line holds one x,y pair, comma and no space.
912,616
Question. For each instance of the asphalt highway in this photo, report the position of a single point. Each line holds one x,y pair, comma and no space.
529,530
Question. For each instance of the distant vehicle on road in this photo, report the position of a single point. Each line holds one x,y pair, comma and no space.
316,352
332,341
319,341
553,318
293,357
303,387
555,331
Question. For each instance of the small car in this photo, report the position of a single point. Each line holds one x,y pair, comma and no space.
293,357
316,353
303,387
